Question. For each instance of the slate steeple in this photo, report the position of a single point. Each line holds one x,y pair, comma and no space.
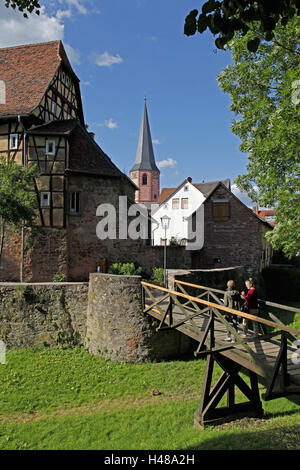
145,156
145,173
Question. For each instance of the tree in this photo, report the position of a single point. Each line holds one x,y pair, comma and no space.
17,200
25,6
264,88
228,17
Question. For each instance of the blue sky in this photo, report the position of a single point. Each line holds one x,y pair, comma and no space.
121,49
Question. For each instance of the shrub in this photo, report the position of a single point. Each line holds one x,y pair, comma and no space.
175,241
59,277
125,269
158,275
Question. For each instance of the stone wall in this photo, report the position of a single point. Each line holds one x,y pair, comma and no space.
117,329
43,314
105,315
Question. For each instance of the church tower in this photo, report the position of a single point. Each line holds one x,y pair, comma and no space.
145,173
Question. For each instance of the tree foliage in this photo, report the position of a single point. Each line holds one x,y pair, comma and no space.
265,89
25,6
227,17
17,199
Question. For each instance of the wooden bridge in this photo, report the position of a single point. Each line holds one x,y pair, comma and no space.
272,356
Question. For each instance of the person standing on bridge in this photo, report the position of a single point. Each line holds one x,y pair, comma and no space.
251,302
231,300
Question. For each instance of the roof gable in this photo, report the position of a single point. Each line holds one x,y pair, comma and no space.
237,199
27,72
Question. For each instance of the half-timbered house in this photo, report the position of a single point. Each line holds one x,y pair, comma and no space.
42,123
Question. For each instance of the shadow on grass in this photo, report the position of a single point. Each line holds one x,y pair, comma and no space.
279,438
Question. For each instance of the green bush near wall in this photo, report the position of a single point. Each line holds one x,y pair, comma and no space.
125,269
282,283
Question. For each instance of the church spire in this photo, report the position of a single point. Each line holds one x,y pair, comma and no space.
145,156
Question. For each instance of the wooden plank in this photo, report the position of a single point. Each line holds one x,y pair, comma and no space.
224,309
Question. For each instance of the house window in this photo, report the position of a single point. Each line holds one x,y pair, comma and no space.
74,203
133,175
186,188
50,147
155,196
145,179
184,203
221,211
45,199
175,203
13,141
53,103
65,79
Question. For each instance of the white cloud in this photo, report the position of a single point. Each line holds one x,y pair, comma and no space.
106,59
109,123
242,196
78,5
156,142
73,54
16,30
168,163
60,14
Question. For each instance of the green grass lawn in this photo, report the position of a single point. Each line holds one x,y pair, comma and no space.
69,399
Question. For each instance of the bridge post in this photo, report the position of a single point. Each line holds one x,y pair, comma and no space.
208,413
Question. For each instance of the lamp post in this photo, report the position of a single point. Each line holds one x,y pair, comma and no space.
165,222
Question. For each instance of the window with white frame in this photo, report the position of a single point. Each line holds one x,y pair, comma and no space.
184,203
175,203
13,141
50,147
45,198
74,203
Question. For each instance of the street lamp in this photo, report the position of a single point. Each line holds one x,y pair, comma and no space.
165,222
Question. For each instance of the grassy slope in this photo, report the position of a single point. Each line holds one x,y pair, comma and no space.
68,399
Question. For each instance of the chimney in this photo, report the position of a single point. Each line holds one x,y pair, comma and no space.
189,179
92,134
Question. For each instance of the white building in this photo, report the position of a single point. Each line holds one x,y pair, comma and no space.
183,206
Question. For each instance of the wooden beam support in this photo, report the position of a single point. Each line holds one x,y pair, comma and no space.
208,412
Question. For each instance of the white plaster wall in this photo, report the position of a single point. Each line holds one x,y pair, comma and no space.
178,225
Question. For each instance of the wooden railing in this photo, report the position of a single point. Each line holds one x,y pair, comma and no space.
198,300
215,311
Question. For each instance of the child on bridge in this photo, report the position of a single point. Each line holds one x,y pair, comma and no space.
232,299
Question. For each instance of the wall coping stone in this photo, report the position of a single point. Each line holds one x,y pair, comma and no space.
13,284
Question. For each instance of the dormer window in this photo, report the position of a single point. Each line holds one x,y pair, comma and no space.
50,147
13,141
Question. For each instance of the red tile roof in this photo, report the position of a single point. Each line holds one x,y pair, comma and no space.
27,72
